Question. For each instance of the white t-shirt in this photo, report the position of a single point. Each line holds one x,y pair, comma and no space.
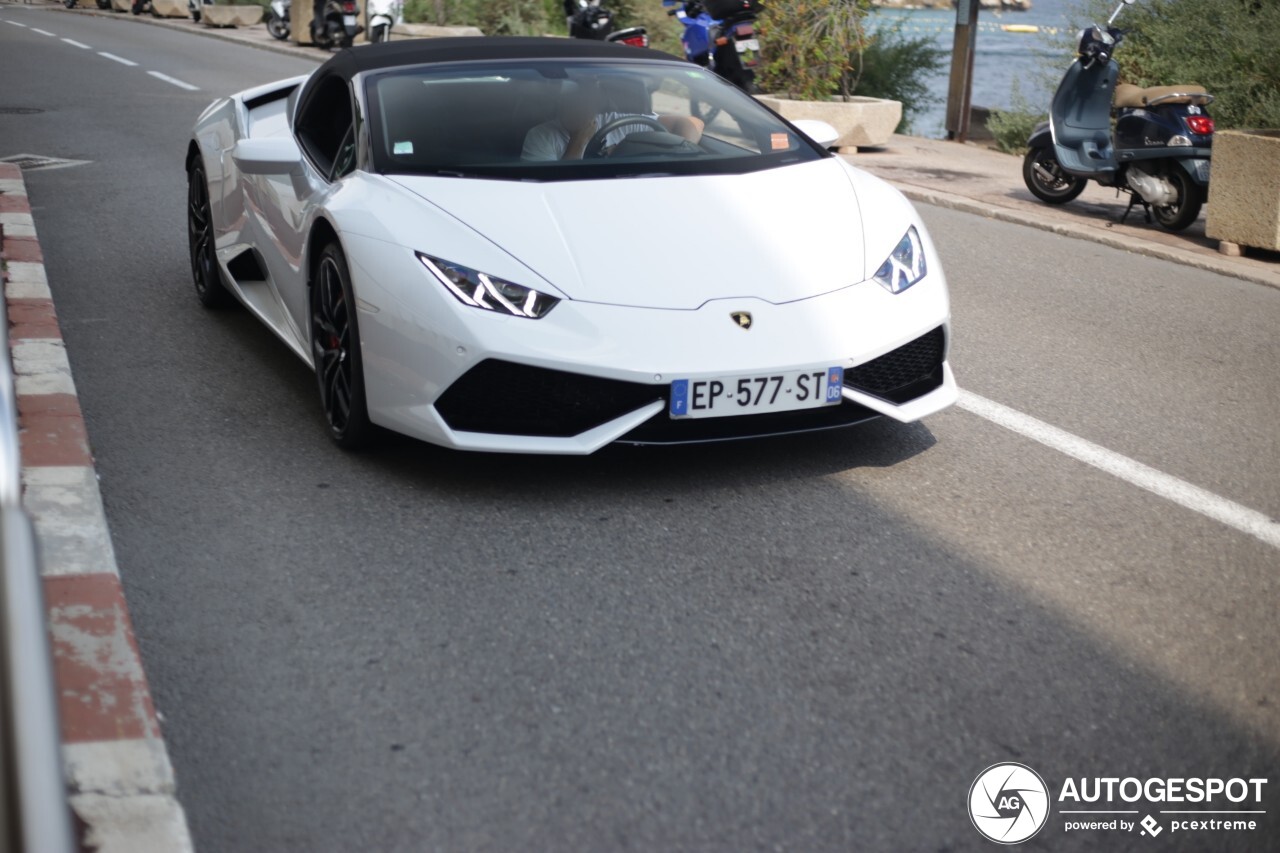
549,140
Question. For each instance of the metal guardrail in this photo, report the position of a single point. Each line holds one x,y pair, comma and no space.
34,817
34,810
10,458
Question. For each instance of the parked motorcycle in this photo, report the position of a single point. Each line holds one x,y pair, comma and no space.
1159,152
278,20
721,35
383,15
587,19
338,26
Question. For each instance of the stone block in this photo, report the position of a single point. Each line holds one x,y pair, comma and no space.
1244,188
861,122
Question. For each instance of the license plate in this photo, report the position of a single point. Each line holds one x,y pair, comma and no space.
348,20
785,391
747,44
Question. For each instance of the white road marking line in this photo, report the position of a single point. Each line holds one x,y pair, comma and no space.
78,44
1170,488
42,32
115,58
174,80
15,23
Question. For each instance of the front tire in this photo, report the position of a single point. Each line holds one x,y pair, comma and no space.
210,290
277,27
379,33
1185,209
1043,175
335,349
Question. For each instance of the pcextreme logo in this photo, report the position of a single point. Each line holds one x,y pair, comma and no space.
1009,803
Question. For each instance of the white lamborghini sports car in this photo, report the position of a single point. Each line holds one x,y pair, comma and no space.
551,245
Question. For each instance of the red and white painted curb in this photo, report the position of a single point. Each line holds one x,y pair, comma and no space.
119,779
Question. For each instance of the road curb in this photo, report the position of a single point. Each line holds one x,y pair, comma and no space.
964,204
120,783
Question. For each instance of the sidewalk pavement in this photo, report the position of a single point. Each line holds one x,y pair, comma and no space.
989,183
965,177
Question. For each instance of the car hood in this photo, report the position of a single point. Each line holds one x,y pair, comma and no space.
671,242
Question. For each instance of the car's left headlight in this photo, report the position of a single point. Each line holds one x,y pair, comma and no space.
905,266
481,290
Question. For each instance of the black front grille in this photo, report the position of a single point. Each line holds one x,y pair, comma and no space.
516,399
905,373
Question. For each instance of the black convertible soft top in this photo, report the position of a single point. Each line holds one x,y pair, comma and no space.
373,57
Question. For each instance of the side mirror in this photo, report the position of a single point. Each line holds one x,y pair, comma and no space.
819,131
271,155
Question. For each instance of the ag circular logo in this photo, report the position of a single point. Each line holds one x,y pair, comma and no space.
1008,803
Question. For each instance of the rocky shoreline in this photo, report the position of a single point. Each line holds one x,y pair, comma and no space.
1003,5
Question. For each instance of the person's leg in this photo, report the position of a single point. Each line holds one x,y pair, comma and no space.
687,126
317,20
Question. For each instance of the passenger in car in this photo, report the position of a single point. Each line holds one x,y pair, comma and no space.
581,110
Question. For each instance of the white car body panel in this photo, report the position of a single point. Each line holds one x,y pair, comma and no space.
757,245
649,270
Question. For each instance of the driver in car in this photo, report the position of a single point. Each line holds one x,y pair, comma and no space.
579,114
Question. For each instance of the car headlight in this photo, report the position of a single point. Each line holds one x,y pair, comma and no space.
481,290
905,266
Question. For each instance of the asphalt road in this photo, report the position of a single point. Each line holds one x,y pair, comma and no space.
796,644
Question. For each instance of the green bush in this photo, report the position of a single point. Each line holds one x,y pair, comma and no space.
1231,47
896,67
493,17
1012,127
810,47
664,31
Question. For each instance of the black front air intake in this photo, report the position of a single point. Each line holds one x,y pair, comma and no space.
517,399
901,375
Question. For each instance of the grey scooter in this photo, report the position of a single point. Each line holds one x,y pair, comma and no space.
1158,153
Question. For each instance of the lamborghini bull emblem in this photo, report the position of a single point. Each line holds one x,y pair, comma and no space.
742,318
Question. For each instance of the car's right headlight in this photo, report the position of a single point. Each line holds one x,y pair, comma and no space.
905,266
481,290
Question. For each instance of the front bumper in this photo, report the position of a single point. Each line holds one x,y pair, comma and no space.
588,375
504,406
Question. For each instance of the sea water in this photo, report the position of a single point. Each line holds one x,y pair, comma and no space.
1034,60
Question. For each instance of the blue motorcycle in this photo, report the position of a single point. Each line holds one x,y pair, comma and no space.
721,35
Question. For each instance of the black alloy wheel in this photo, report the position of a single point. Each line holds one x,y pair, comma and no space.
1043,175
335,350
204,265
277,26
1186,207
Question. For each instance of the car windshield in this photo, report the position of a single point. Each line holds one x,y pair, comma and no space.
571,120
